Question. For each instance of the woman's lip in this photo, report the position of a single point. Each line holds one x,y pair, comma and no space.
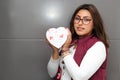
80,28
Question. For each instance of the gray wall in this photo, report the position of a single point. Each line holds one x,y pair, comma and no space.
23,50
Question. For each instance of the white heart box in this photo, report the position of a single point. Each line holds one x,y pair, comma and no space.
57,36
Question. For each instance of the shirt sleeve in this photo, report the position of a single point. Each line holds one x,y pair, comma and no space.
52,67
91,62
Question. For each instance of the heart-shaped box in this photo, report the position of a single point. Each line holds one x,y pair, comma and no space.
57,36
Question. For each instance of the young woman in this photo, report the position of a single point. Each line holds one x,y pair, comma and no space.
84,54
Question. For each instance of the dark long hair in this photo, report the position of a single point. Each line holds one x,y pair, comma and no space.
98,29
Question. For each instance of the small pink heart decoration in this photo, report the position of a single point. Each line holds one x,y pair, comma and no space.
57,36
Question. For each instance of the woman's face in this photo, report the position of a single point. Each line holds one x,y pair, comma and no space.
83,23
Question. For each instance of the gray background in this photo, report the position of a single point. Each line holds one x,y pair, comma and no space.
23,50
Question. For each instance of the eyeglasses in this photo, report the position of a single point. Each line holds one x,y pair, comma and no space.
85,20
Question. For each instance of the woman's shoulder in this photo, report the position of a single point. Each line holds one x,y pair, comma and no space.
99,44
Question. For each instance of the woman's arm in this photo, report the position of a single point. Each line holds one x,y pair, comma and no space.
53,63
52,66
91,62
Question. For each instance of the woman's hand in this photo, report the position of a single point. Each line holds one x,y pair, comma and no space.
53,47
55,54
68,41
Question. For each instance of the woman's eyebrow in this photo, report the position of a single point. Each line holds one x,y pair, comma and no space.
83,16
86,17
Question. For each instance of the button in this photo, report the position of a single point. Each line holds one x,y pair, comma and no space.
63,67
62,62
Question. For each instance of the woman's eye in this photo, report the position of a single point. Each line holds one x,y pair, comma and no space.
77,18
87,19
